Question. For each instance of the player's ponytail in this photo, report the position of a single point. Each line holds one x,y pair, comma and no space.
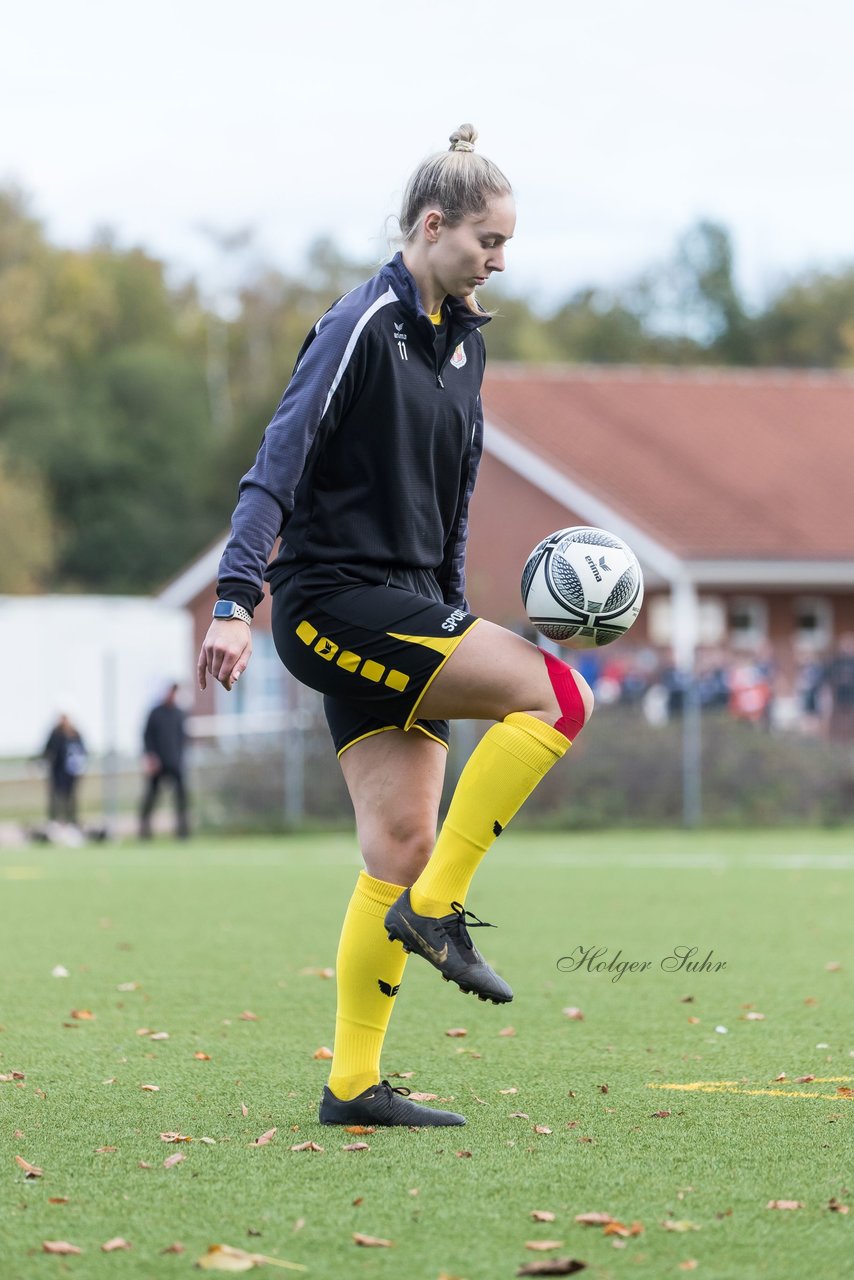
458,181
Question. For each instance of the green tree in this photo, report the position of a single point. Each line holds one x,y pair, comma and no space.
809,323
27,536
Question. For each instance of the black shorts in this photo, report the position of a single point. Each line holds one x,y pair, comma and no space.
372,650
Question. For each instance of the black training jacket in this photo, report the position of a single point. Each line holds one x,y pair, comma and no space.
370,460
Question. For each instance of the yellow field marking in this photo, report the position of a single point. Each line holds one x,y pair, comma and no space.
23,873
733,1086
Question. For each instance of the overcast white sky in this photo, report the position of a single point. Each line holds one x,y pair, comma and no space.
618,123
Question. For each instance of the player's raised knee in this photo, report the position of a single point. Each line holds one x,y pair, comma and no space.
573,695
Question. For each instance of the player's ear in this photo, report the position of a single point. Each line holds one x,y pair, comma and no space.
432,223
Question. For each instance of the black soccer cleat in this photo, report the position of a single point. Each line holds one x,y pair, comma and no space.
445,942
382,1104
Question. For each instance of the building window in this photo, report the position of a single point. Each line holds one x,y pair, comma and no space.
711,621
813,623
748,623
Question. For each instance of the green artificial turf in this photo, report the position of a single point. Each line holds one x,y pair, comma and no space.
214,929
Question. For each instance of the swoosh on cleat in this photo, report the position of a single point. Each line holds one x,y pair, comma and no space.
438,957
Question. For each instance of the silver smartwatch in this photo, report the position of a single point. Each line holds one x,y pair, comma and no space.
223,610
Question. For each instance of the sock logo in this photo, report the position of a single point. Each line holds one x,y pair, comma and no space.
497,828
386,989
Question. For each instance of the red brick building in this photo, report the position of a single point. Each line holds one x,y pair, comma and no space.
733,488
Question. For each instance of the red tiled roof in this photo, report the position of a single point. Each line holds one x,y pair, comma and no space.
711,463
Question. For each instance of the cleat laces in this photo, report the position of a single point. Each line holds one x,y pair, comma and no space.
459,930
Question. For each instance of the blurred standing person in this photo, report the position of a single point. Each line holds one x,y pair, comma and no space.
164,740
65,753
839,682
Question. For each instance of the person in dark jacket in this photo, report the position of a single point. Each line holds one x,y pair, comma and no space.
65,753
365,474
164,740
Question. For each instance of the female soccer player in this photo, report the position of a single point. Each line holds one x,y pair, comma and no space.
366,472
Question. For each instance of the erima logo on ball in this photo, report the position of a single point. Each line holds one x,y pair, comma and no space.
605,567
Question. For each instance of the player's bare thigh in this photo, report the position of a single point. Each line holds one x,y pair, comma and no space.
492,673
395,782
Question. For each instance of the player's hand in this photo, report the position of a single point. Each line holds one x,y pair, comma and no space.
225,652
151,763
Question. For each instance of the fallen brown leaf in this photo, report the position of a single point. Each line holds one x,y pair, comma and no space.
694,1021
110,1246
780,1077
833,966
552,1267
660,1115
12,1075
690,1264
844,1091
83,1015
401,1075
202,1057
543,1245
423,1097
615,1228
519,1115
594,1219
513,1090
174,1137
507,1031
265,1138
835,1207
784,1204
143,1164
542,1215
225,1257
603,1088
307,1146
30,1170
244,1108
171,1161
680,1224
574,1014
753,1016
58,1200
359,1128
804,1079
150,1088
317,973
356,1146
175,1247
541,1128
160,1035
59,1246
323,1052
456,1032
105,1151
371,1242
248,1016
463,1155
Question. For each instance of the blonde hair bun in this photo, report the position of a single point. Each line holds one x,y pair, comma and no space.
464,138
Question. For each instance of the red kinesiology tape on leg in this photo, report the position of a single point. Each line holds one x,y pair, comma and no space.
568,696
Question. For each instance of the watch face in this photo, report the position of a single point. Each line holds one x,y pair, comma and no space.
224,609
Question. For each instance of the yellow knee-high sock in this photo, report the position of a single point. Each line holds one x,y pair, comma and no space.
368,970
502,771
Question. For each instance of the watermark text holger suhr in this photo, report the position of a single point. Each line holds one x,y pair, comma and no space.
680,960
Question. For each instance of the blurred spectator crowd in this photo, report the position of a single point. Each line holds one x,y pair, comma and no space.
813,694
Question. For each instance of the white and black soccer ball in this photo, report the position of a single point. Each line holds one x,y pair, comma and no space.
582,587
